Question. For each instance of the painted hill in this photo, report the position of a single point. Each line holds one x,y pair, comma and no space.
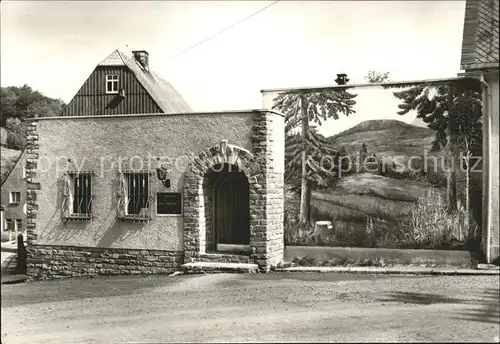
383,135
389,139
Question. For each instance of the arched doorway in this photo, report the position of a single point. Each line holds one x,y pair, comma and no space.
228,189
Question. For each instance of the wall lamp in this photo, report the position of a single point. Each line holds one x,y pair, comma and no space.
161,173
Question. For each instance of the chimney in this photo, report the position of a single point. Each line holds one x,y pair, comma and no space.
341,79
142,57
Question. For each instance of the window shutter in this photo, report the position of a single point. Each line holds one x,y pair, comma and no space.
68,196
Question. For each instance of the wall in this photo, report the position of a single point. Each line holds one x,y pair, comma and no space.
92,99
98,143
491,155
15,182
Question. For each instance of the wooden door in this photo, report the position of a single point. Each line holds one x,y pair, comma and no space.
231,220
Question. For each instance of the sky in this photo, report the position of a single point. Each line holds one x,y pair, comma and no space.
54,46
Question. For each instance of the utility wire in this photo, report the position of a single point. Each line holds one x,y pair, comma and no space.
219,32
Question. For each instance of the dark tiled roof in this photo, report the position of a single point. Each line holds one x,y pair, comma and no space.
167,98
480,36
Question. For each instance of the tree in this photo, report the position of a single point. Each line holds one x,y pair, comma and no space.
469,140
374,77
309,148
19,103
15,136
444,106
362,156
343,162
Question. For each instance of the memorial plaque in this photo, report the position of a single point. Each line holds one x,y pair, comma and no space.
169,203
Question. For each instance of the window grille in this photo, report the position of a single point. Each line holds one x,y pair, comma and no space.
137,200
78,195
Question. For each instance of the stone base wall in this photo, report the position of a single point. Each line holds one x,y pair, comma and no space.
224,258
49,262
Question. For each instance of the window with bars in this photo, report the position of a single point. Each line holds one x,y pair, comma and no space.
112,83
82,195
19,225
78,192
136,195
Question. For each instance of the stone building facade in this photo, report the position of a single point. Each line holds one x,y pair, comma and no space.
107,237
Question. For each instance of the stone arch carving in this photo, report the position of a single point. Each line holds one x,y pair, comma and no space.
225,153
194,207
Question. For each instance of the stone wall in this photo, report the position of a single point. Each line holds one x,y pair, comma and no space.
268,128
32,182
48,262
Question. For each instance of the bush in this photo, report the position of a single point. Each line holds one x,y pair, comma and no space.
431,226
291,227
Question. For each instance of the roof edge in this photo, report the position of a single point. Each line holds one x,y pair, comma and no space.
477,66
224,112
332,87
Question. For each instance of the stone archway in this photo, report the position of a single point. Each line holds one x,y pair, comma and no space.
195,212
226,196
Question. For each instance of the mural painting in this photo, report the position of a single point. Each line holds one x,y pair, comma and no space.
389,165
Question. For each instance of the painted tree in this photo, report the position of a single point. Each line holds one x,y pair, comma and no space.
469,140
308,149
343,162
374,77
362,156
445,106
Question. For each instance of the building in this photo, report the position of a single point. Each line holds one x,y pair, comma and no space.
13,197
125,85
3,136
480,58
124,192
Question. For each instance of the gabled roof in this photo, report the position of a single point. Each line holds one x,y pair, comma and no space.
162,92
480,36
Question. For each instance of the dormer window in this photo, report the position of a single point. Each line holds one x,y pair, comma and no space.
111,83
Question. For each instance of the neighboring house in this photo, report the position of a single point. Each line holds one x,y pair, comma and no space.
125,85
480,58
13,197
2,218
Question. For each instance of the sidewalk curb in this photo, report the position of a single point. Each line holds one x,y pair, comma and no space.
394,271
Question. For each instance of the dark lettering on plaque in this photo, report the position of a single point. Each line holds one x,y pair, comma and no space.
169,203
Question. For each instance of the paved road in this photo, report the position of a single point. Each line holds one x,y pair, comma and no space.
259,308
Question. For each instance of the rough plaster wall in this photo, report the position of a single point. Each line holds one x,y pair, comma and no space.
278,144
15,183
98,144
